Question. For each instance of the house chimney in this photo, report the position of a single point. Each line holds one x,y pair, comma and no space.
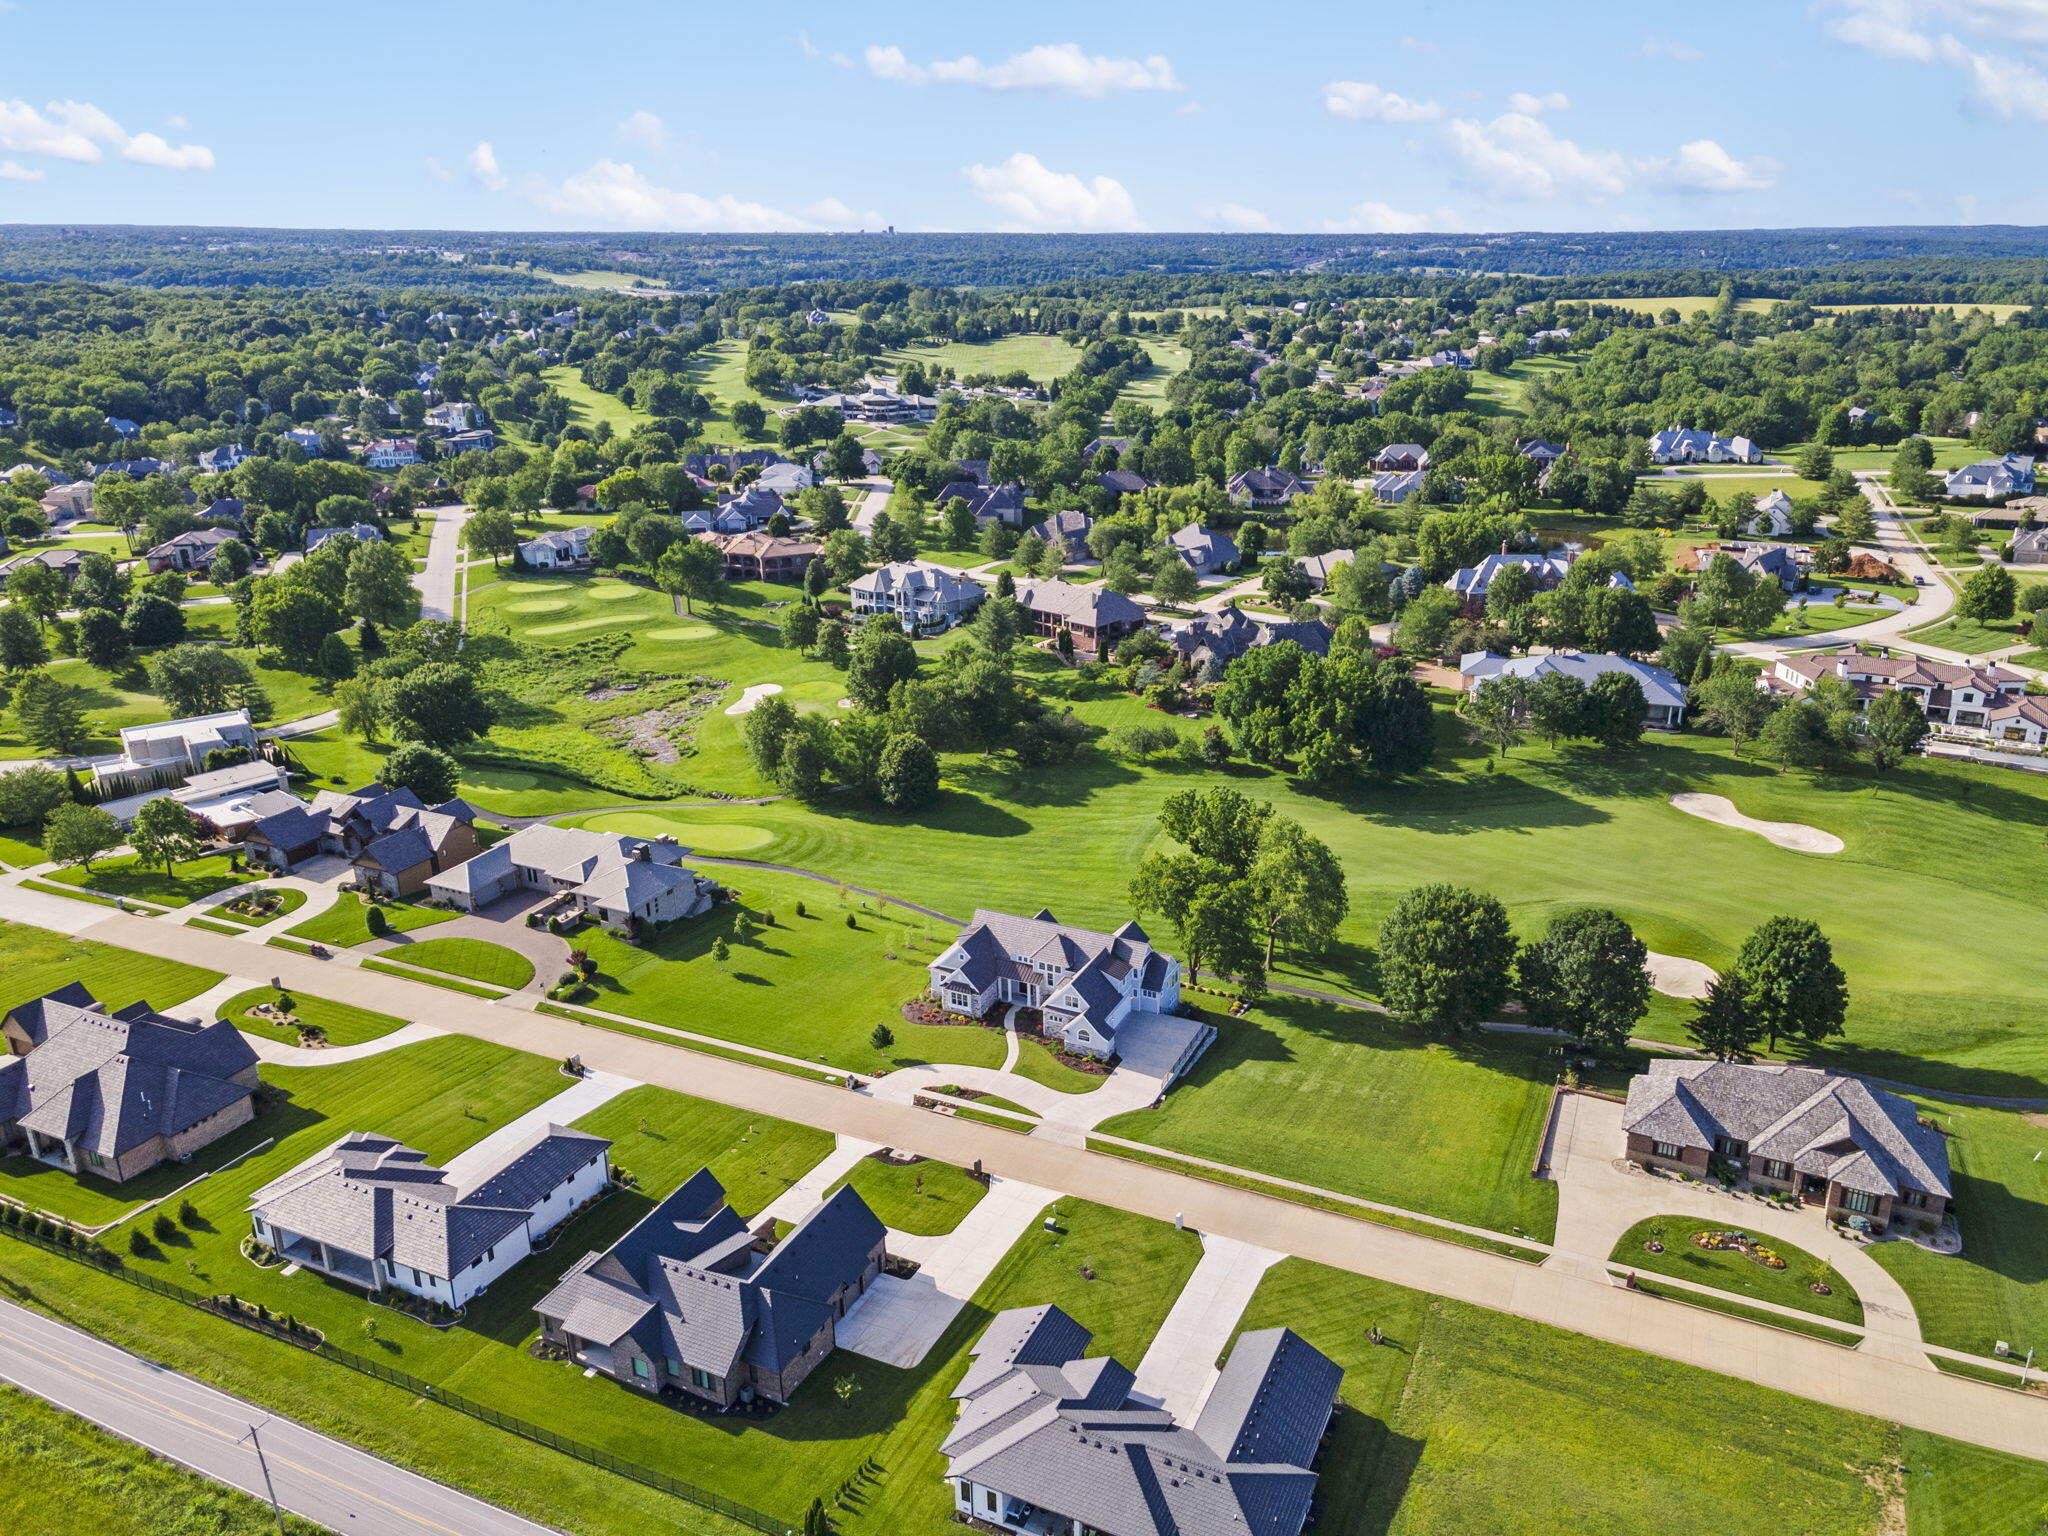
642,852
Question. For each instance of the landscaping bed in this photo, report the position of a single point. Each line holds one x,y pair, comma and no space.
260,906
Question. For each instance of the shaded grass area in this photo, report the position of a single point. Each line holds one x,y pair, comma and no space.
928,1198
347,922
476,959
344,1024
67,1478
1731,1271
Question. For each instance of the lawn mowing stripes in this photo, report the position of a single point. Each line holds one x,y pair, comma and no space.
227,1307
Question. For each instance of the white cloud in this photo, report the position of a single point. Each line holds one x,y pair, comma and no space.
1058,67
14,170
833,213
483,165
1671,48
1376,218
1237,216
1517,156
1999,46
644,129
437,168
177,121
613,194
1704,166
1359,98
1530,106
805,46
82,132
1037,197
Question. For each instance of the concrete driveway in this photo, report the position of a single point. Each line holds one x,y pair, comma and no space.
1600,1196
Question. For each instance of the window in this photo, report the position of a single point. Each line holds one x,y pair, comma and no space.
1859,1200
988,1499
1664,1149
95,1159
640,1368
1728,1146
702,1379
1916,1198
673,1366
1777,1169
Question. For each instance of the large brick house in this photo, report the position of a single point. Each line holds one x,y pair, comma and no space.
1095,616
1833,1141
688,1302
115,1094
761,556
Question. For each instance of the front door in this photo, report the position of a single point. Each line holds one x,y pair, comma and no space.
1812,1189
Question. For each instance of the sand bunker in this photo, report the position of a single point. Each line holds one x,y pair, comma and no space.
754,695
1786,834
1676,976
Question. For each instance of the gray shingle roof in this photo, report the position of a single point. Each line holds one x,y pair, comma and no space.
1094,606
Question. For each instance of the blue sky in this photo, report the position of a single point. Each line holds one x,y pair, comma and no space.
1369,116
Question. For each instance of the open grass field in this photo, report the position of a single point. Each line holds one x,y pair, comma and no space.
1502,394
588,407
347,922
345,1025
127,876
1045,358
34,961
1169,357
474,958
1997,1287
67,1478
1970,636
926,1198
1731,1271
1687,305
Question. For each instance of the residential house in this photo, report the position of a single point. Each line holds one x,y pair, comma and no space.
304,438
1095,616
922,595
1086,985
394,839
217,461
178,747
1961,698
115,1094
784,479
1265,487
1472,583
228,511
870,463
1401,458
9,420
362,533
371,1211
558,549
1396,486
2020,721
1692,445
1117,445
1122,482
1048,1443
817,317
451,416
1836,1142
1202,551
190,551
66,501
619,881
751,507
134,469
1067,529
391,453
687,1302
1225,635
120,426
1773,518
1318,567
1782,563
731,460
221,800
65,562
1664,693
989,503
763,557
1991,479
1540,453
2028,547
476,440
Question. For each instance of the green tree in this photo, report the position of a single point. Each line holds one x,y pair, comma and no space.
692,570
162,833
440,705
1731,704
1616,711
102,640
1795,988
1557,706
30,793
1173,583
883,658
293,618
908,778
194,679
426,771
799,625
21,642
1298,886
802,769
1893,725
152,620
1722,1023
1798,734
358,709
379,586
1496,710
40,589
492,534
1987,596
1588,975
1446,955
78,834
50,714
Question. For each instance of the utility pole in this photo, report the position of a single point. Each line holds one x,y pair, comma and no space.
264,1466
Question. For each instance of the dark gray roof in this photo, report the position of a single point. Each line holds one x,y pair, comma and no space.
39,1015
1122,482
398,851
108,1083
1229,632
1839,1128
1271,1401
1095,606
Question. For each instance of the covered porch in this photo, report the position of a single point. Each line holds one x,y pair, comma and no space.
310,1253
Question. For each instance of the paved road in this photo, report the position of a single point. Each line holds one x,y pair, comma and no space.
444,564
318,1478
1861,1382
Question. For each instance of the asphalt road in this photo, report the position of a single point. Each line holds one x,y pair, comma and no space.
316,1478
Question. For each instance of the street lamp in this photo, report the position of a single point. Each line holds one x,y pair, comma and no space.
264,1466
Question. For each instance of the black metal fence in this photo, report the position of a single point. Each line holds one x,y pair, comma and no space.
273,1326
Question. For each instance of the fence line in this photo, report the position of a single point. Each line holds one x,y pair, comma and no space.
232,1308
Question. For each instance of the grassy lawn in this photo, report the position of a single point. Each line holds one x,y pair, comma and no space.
345,1025
67,1478
588,407
926,1198
347,922
1352,1102
1953,1489
1438,1437
1973,637
1045,358
127,877
1994,1289
473,958
1730,1271
34,961
281,901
